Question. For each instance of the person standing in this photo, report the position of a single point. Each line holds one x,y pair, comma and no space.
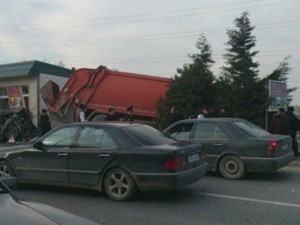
44,122
224,112
111,115
129,115
174,115
208,112
277,125
80,114
291,123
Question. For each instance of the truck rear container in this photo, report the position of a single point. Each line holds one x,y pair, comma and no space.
100,89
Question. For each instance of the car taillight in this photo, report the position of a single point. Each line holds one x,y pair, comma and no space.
272,147
174,164
203,154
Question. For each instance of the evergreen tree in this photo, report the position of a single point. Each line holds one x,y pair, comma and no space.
239,79
192,87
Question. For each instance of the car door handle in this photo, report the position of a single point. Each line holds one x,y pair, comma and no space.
218,145
62,154
104,155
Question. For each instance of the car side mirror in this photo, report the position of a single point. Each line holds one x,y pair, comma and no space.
39,145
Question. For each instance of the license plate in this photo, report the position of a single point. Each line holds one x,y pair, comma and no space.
285,147
193,158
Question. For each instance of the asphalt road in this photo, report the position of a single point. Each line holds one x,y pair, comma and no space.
258,199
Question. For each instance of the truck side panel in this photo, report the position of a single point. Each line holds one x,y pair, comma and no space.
98,89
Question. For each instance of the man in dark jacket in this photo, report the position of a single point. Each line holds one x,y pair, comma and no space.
129,115
291,122
44,122
111,114
278,125
208,112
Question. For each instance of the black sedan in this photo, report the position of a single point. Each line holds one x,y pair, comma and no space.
119,158
15,212
235,146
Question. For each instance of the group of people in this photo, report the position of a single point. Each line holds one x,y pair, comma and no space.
206,112
113,117
286,123
44,123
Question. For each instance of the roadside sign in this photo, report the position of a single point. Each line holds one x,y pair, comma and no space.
278,95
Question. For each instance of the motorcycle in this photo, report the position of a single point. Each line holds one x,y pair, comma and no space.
17,125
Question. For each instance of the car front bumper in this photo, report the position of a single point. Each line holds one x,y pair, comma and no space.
267,164
170,181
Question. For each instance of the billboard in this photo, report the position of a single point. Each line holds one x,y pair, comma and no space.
278,95
15,97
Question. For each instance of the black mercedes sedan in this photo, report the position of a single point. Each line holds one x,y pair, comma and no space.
235,146
119,158
14,211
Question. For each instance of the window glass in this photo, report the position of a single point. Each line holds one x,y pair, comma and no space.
4,98
209,131
93,137
219,134
4,103
108,142
61,138
148,135
181,131
250,129
90,137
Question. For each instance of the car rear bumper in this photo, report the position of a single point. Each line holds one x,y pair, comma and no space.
170,181
268,164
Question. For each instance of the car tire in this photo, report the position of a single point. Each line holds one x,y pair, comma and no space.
231,167
6,170
119,185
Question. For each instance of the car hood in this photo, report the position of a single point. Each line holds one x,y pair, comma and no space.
14,148
14,212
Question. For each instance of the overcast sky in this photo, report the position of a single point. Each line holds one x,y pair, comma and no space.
145,36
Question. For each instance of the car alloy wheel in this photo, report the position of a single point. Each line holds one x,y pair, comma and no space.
5,170
231,167
119,185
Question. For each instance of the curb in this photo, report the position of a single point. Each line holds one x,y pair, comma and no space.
296,162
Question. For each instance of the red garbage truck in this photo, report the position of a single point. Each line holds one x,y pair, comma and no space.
100,89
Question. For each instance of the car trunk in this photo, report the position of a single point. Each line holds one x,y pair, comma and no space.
182,156
278,145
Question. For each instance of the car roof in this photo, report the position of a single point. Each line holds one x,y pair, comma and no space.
105,123
212,119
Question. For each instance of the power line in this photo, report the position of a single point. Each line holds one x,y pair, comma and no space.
142,15
162,59
146,37
145,19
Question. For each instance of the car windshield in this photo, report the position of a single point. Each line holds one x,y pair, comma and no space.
147,135
251,129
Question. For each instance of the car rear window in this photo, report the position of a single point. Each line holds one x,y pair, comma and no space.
250,129
147,135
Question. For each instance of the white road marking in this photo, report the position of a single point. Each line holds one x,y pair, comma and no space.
248,199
